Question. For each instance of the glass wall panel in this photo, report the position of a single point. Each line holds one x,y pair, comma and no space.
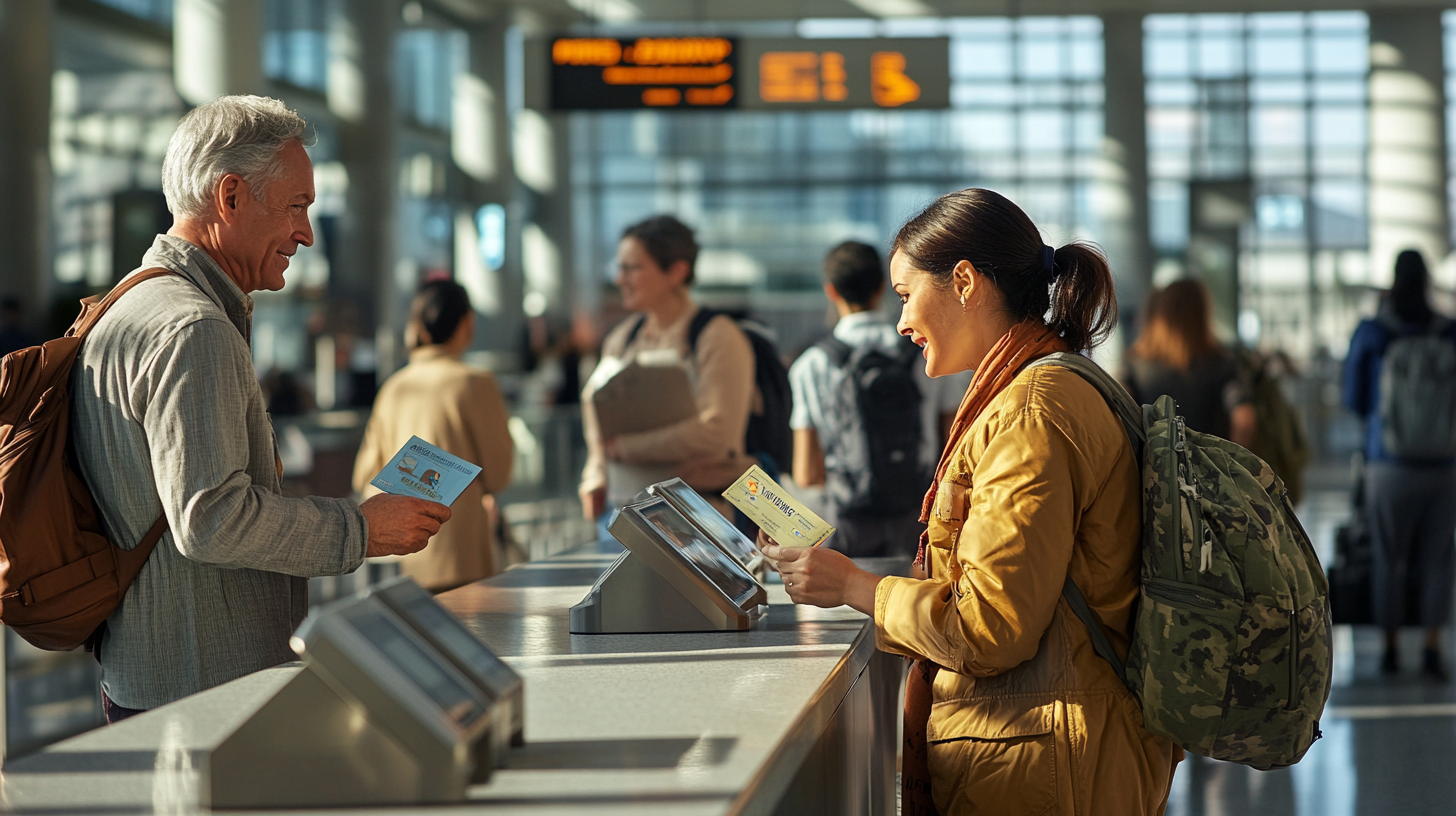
1278,101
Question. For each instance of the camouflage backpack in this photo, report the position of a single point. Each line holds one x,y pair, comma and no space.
1230,654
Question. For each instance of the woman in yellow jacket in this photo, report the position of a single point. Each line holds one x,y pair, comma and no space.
1009,710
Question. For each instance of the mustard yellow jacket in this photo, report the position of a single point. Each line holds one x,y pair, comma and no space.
447,403
1025,717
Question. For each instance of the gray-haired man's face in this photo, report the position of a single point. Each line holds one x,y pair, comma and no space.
258,238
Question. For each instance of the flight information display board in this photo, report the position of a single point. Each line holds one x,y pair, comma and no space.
604,73
727,73
814,74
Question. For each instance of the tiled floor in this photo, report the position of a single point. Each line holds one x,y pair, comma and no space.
1389,746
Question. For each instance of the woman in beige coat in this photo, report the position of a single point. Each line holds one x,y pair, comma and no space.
455,407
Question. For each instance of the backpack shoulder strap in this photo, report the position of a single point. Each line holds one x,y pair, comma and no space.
1126,410
1121,402
632,332
1100,643
838,350
92,308
695,328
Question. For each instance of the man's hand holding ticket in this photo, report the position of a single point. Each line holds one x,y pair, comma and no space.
426,472
782,517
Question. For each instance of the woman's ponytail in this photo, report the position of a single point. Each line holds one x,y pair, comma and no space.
1083,302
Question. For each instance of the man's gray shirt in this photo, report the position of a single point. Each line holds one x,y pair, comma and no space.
168,416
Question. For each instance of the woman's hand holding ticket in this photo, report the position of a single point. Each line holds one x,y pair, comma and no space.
819,576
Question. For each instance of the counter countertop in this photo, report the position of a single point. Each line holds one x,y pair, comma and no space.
703,723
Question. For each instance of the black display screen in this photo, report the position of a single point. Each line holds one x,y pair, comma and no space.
720,529
711,562
423,668
413,602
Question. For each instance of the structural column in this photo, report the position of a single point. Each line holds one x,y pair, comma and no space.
217,48
1407,159
361,96
481,145
25,102
1123,176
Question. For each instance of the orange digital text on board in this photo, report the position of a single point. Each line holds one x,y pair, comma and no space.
659,63
889,86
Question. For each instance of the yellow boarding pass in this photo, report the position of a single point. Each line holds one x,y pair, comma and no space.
784,518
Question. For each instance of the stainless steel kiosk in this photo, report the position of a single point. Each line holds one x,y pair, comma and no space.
498,682
671,579
378,715
719,530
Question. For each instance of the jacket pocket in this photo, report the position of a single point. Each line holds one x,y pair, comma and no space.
993,757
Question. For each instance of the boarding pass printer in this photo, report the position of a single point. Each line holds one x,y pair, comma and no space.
685,570
396,703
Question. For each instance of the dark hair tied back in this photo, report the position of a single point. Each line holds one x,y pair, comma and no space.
438,308
1073,292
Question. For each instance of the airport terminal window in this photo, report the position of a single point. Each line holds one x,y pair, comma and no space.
295,43
158,11
427,61
1449,31
1279,100
770,192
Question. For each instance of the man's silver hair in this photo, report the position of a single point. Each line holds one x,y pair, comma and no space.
231,134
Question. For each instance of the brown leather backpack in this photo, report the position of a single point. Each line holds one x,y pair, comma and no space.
60,576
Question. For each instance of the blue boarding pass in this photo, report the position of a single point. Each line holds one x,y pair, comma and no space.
426,472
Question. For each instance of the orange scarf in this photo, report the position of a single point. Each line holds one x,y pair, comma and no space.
1025,342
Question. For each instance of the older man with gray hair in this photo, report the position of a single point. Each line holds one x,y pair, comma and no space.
168,421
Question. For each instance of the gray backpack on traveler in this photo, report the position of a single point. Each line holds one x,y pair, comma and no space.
1230,654
1418,392
872,447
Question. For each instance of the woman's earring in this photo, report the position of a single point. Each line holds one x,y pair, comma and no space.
964,293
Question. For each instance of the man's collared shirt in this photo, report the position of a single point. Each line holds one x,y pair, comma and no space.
167,416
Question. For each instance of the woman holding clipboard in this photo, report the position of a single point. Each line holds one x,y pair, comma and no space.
1009,710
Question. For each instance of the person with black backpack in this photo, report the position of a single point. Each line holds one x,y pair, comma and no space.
1400,377
740,388
867,420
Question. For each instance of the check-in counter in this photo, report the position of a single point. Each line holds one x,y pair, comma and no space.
798,715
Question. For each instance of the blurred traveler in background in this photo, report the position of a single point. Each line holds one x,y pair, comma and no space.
867,420
1280,438
13,335
1400,377
1177,354
457,408
168,420
655,261
1008,708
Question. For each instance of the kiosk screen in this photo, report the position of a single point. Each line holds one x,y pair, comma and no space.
413,603
422,667
728,575
720,529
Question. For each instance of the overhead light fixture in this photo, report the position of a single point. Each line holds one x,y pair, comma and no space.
608,11
895,8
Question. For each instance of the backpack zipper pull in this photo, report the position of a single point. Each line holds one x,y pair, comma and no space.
1205,555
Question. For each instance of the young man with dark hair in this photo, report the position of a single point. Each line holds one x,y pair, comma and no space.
868,423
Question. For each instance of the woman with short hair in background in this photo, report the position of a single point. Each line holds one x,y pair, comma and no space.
457,408
1009,709
656,261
